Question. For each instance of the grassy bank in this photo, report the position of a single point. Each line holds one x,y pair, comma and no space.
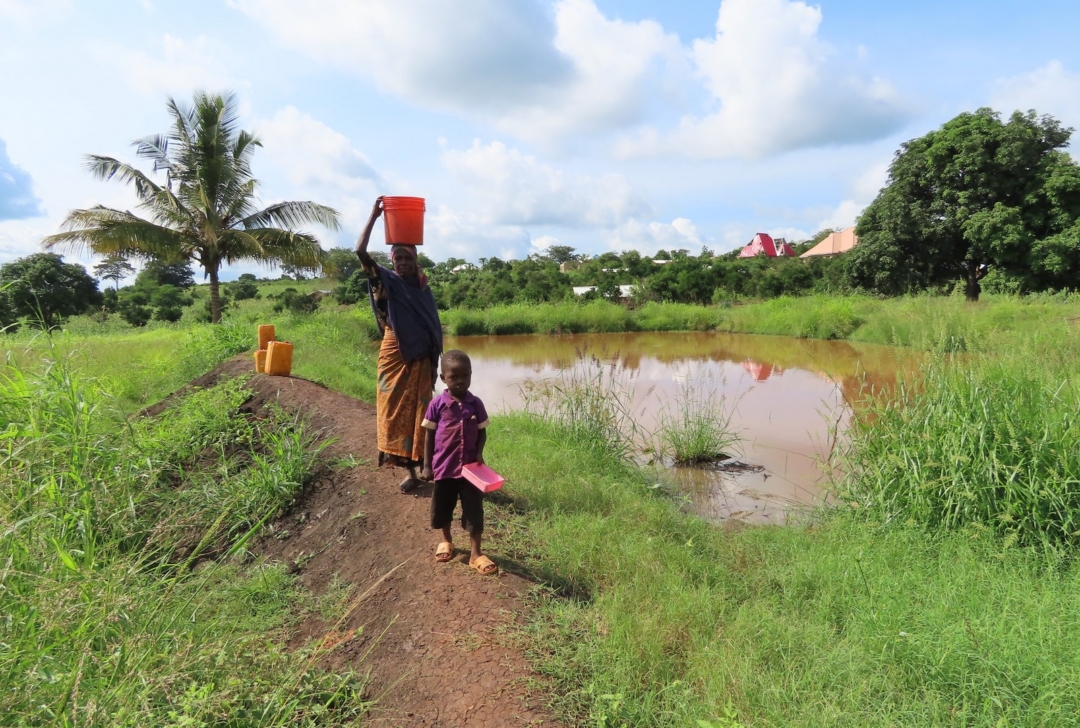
946,596
106,622
656,618
933,323
140,367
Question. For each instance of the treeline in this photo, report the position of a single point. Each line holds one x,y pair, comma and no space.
41,290
552,275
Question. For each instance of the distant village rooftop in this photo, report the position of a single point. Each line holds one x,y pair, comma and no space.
763,244
836,243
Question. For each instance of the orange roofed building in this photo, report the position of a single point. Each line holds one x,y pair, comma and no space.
763,244
836,243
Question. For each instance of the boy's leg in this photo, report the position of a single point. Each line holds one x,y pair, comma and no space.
475,539
444,498
472,520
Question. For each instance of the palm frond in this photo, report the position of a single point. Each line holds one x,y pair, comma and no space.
105,231
105,168
292,215
242,200
272,245
156,148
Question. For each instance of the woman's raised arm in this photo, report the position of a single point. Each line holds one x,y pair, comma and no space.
365,236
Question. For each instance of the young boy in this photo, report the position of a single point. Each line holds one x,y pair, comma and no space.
456,424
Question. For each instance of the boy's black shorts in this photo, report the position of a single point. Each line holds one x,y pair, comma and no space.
445,497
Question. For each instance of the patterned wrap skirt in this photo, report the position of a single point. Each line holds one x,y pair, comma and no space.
404,392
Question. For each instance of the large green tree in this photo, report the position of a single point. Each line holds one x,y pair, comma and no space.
206,208
976,193
44,289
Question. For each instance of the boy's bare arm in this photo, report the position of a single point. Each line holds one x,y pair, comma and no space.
481,440
429,454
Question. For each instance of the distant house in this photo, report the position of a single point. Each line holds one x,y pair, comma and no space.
834,244
763,244
625,291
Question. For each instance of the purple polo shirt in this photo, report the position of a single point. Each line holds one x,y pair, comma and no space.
456,425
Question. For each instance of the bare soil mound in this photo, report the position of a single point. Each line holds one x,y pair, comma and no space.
434,638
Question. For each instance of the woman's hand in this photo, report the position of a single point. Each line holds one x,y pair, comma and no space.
426,474
365,236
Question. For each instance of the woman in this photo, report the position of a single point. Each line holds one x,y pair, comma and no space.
408,358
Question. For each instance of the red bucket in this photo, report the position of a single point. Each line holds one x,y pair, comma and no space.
404,218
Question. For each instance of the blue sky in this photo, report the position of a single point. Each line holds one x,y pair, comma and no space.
601,124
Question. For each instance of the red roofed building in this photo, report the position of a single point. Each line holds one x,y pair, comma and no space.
763,244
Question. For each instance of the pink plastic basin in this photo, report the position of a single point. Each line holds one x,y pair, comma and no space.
482,477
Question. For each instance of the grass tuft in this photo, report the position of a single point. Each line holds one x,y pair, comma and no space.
695,427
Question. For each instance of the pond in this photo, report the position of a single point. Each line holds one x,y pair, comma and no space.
789,399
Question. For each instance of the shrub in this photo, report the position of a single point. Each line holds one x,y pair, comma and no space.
243,289
353,290
293,301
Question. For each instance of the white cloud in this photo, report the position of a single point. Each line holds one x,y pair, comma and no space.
864,189
25,13
648,237
618,66
512,188
790,234
314,155
466,235
779,87
544,242
321,163
540,75
177,66
1052,89
22,237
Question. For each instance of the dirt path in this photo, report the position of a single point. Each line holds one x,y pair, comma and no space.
434,637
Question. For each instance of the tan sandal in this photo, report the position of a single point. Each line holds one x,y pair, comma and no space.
485,566
444,552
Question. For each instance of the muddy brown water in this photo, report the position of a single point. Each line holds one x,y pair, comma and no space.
789,398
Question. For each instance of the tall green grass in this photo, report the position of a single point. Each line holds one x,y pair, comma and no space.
105,623
593,402
657,618
991,442
137,367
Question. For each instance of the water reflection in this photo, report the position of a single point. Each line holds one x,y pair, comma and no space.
789,398
760,370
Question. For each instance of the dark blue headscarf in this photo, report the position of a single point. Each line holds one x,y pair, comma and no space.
410,306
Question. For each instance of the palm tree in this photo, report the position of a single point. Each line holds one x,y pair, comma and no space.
206,210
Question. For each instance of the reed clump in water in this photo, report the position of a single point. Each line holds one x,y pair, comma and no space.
696,425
